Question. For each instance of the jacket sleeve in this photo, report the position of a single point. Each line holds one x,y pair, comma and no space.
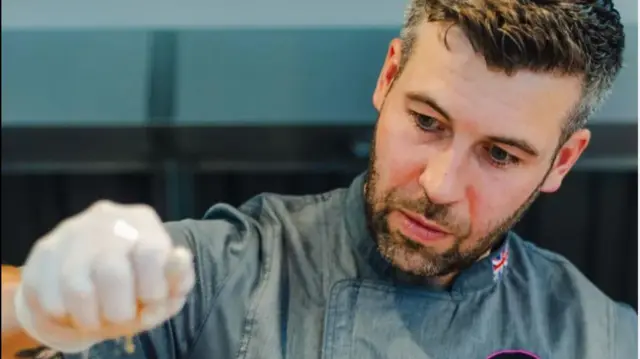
625,332
225,246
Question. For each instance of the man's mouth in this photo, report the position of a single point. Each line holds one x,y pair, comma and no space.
420,229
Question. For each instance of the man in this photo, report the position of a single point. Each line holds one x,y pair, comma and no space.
482,106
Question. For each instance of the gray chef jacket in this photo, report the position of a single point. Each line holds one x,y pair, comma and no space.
299,277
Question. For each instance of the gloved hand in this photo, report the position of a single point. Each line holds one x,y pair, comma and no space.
111,271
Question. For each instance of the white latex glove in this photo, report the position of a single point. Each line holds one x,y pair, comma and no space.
111,271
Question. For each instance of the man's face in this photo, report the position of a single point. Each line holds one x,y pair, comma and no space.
460,151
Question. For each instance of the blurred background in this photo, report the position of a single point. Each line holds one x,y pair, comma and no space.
182,105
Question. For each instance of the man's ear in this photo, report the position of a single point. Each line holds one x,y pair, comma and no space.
388,73
566,157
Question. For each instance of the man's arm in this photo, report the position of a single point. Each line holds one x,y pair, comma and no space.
220,246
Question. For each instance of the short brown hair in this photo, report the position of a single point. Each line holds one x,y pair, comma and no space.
572,37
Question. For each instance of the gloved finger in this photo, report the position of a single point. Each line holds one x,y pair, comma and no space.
41,275
179,272
148,258
114,282
79,292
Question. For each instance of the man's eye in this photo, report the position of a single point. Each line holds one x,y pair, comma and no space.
500,157
426,123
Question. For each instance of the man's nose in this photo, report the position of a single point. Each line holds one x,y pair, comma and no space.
443,179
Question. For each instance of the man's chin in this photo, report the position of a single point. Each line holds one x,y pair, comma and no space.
410,265
410,260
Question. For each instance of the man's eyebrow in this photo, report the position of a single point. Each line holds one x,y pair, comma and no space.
520,144
429,101
517,143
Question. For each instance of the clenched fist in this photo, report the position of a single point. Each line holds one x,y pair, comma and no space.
111,271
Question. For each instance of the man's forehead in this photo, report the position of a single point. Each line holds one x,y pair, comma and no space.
533,104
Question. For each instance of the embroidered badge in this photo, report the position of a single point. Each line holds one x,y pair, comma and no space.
513,354
500,262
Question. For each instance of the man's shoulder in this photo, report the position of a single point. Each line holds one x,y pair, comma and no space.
265,213
557,272
266,206
553,269
554,280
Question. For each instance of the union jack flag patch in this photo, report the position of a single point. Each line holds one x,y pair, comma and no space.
500,262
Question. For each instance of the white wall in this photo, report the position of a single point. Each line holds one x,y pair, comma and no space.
197,13
628,9
95,69
216,13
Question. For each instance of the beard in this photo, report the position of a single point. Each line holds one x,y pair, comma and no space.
420,261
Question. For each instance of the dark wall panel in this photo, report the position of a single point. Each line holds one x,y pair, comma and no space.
592,220
33,205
